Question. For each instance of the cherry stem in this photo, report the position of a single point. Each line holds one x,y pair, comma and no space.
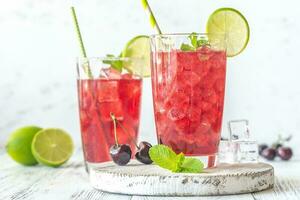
282,140
115,121
125,130
115,127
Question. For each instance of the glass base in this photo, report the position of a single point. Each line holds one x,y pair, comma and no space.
94,166
209,161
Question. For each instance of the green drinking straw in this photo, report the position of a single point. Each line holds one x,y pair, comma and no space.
152,19
79,37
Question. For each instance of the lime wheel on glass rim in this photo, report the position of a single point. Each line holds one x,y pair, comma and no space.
231,24
139,48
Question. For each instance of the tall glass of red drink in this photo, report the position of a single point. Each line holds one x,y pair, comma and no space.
103,90
188,83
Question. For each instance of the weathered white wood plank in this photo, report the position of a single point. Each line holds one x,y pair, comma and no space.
39,182
71,182
225,197
287,182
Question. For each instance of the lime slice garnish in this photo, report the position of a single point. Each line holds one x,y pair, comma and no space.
233,26
19,145
52,147
138,47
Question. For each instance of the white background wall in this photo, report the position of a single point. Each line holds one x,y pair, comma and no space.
38,47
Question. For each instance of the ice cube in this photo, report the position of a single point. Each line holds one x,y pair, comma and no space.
208,81
186,61
204,53
220,85
182,126
239,129
194,112
188,78
247,151
110,73
227,152
178,97
210,96
107,90
206,106
203,127
176,114
239,148
106,108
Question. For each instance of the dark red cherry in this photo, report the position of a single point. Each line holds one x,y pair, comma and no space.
120,154
285,153
142,153
262,147
269,153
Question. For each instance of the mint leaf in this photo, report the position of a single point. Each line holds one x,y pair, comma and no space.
186,47
179,159
191,165
195,43
116,64
164,157
202,41
193,38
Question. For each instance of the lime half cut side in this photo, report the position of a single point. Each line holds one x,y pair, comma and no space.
52,147
232,26
139,48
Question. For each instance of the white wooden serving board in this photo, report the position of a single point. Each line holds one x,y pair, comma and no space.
139,179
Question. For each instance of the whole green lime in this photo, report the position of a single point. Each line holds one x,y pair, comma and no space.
19,145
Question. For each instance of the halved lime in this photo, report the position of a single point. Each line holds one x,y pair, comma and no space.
52,147
19,145
138,47
233,26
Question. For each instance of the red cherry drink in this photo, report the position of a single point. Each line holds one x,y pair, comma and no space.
188,93
117,94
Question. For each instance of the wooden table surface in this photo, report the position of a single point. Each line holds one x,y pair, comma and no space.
71,182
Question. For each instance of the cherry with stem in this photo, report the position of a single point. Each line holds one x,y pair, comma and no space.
143,148
120,153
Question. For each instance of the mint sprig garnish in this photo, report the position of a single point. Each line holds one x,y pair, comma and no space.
195,42
187,47
192,165
166,158
116,64
193,38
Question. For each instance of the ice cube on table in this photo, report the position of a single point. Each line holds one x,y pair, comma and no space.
239,130
247,151
238,151
227,152
239,148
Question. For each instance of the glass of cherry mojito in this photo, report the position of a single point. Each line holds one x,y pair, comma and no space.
103,90
188,83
